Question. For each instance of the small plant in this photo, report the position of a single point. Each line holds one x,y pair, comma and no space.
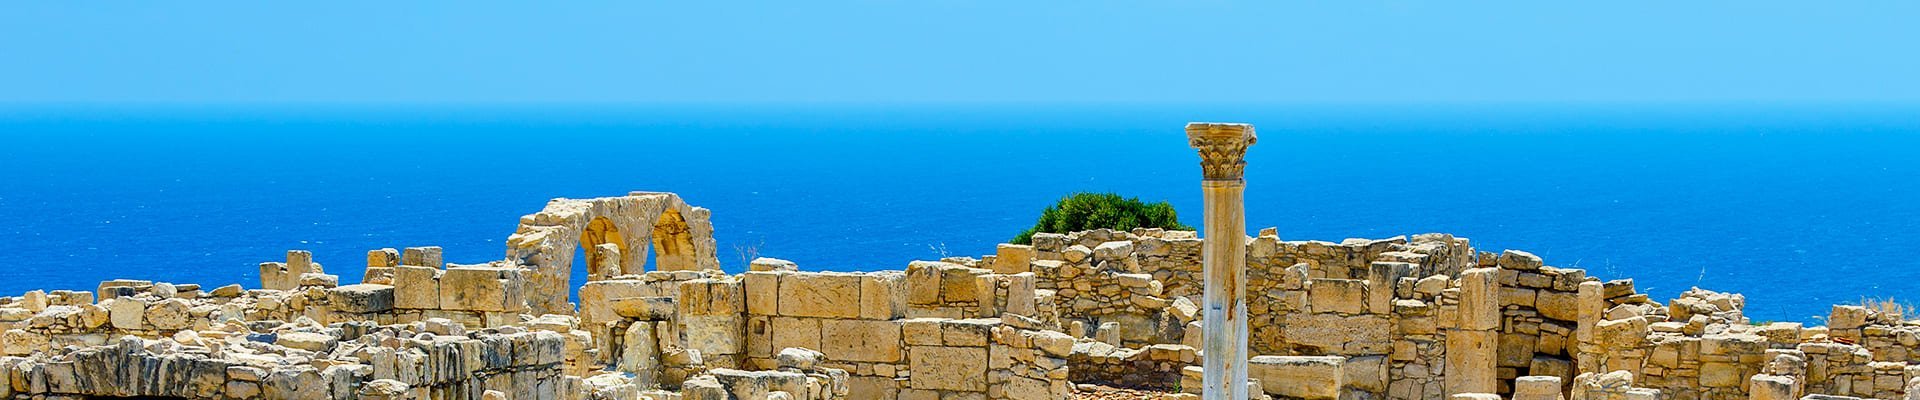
1085,211
1890,309
748,251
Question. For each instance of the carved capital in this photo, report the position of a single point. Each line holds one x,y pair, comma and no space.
1223,148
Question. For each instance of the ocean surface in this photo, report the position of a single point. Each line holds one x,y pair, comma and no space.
1796,206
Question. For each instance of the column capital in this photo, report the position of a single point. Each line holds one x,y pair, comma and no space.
1223,148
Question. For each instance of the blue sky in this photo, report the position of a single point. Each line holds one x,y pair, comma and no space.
948,51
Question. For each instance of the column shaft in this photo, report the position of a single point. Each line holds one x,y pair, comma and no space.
1225,258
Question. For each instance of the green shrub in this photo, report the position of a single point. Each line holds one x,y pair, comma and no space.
1084,211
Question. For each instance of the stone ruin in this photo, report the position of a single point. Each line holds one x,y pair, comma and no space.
1407,318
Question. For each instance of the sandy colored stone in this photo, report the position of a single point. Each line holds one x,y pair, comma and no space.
1012,258
824,295
1345,296
861,340
169,315
796,332
1298,377
948,368
127,313
883,296
477,288
416,287
763,292
1479,301
362,298
1470,361
1537,388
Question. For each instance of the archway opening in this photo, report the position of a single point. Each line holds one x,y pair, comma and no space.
673,243
601,262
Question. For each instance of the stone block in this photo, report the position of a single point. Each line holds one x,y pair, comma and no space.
1012,258
1471,362
1537,388
428,256
1617,288
861,340
1621,333
127,313
1770,387
1479,302
796,332
478,288
765,264
1551,366
1720,374
1519,260
967,332
169,315
273,276
362,298
1333,333
383,258
883,295
1516,349
1345,296
416,287
1365,373
1517,296
957,284
650,308
923,282
823,295
1299,377
763,292
950,368
921,331
714,335
1847,317
1557,305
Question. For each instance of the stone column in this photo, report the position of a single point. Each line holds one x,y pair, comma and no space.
1223,149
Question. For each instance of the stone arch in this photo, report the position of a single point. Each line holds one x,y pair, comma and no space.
602,231
673,243
545,242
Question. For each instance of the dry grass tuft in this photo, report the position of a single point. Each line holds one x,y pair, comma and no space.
1888,308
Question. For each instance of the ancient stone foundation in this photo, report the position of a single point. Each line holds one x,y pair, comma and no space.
1424,317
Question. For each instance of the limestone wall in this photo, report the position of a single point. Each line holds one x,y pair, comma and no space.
1421,317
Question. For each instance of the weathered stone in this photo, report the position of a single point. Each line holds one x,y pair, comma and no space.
1012,258
652,308
427,256
416,287
1345,296
362,298
1470,361
1479,304
1299,377
822,295
1770,387
169,315
798,358
883,296
950,368
1537,388
765,264
862,341
479,288
1519,260
314,342
127,313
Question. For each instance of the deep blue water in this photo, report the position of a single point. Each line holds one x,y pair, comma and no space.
1798,207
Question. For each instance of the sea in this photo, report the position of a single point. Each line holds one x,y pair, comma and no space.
1797,206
